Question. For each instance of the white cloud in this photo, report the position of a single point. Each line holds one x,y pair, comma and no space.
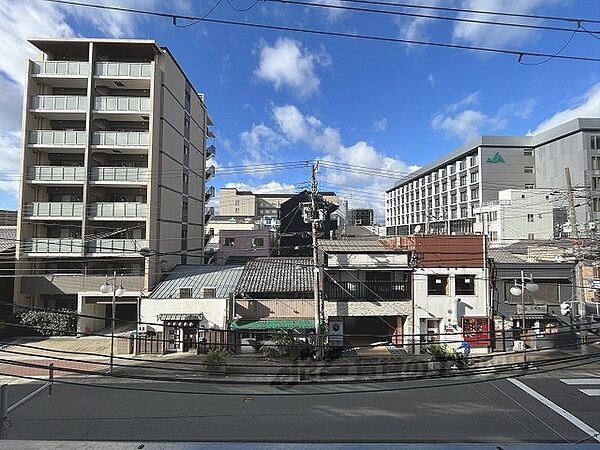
260,144
287,63
331,15
380,124
10,156
588,105
431,80
461,120
270,187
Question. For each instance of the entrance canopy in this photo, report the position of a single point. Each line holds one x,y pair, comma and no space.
274,324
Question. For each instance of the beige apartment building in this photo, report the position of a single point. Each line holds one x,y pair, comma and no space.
114,159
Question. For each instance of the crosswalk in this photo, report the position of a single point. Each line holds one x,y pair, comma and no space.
588,382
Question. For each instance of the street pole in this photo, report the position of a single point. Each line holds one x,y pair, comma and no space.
523,319
314,217
112,323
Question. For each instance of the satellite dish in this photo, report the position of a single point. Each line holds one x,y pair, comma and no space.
418,229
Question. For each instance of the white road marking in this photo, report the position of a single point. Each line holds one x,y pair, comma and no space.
591,392
557,409
580,380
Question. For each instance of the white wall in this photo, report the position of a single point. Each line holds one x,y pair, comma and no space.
213,310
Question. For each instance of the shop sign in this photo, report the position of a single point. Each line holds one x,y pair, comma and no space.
533,309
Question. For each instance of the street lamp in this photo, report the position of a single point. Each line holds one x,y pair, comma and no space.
519,289
108,288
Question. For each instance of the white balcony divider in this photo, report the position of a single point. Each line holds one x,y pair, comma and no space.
124,69
118,210
121,138
62,68
57,137
121,246
59,103
122,104
56,173
54,245
125,174
55,209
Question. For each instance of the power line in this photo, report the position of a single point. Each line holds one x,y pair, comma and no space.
175,16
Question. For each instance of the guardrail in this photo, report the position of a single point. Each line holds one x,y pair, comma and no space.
61,68
124,69
122,104
56,173
55,209
59,103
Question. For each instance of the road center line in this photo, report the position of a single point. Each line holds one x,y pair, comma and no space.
553,406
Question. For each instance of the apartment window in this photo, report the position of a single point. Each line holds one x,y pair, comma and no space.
445,200
595,162
186,123
474,177
429,190
184,292
529,217
463,196
493,235
453,213
528,152
596,205
529,186
209,292
258,242
472,161
186,149
184,232
493,216
452,168
595,142
229,242
463,180
453,198
444,186
464,284
462,165
464,212
437,202
437,284
528,169
474,194
596,183
453,184
531,236
443,173
184,211
237,210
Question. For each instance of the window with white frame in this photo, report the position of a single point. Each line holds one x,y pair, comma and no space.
528,169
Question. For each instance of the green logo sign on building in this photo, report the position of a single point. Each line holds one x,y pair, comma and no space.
496,159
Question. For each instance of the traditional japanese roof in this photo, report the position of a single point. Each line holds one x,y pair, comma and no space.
222,278
354,246
294,274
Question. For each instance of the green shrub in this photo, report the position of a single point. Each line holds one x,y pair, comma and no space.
217,357
441,351
286,346
61,322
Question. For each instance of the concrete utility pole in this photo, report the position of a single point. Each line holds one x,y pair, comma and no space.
578,278
314,220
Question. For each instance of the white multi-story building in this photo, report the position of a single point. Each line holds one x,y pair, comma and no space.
442,197
520,214
113,160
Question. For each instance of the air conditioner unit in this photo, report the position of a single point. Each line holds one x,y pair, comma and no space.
143,328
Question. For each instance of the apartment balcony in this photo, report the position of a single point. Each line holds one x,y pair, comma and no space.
54,211
60,107
210,232
119,176
62,73
210,193
122,108
53,247
123,141
366,290
116,247
126,75
62,140
56,175
211,151
208,214
210,172
130,211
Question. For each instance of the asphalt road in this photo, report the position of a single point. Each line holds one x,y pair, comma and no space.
494,411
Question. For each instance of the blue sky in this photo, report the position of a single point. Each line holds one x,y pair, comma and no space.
279,96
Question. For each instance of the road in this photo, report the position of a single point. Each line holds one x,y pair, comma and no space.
499,411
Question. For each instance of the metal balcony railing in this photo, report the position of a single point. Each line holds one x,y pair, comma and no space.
68,103
57,137
122,104
367,290
118,210
211,151
209,212
210,173
119,246
56,173
124,69
55,209
120,174
53,245
121,138
61,68
210,193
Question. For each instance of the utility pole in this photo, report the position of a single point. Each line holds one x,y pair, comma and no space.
315,219
578,278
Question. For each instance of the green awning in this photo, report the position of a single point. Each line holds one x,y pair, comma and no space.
274,324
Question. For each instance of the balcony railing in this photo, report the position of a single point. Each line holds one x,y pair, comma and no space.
56,173
62,68
210,193
120,174
122,104
72,210
211,151
120,246
57,137
209,212
366,290
118,210
121,138
53,245
123,69
70,103
210,173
